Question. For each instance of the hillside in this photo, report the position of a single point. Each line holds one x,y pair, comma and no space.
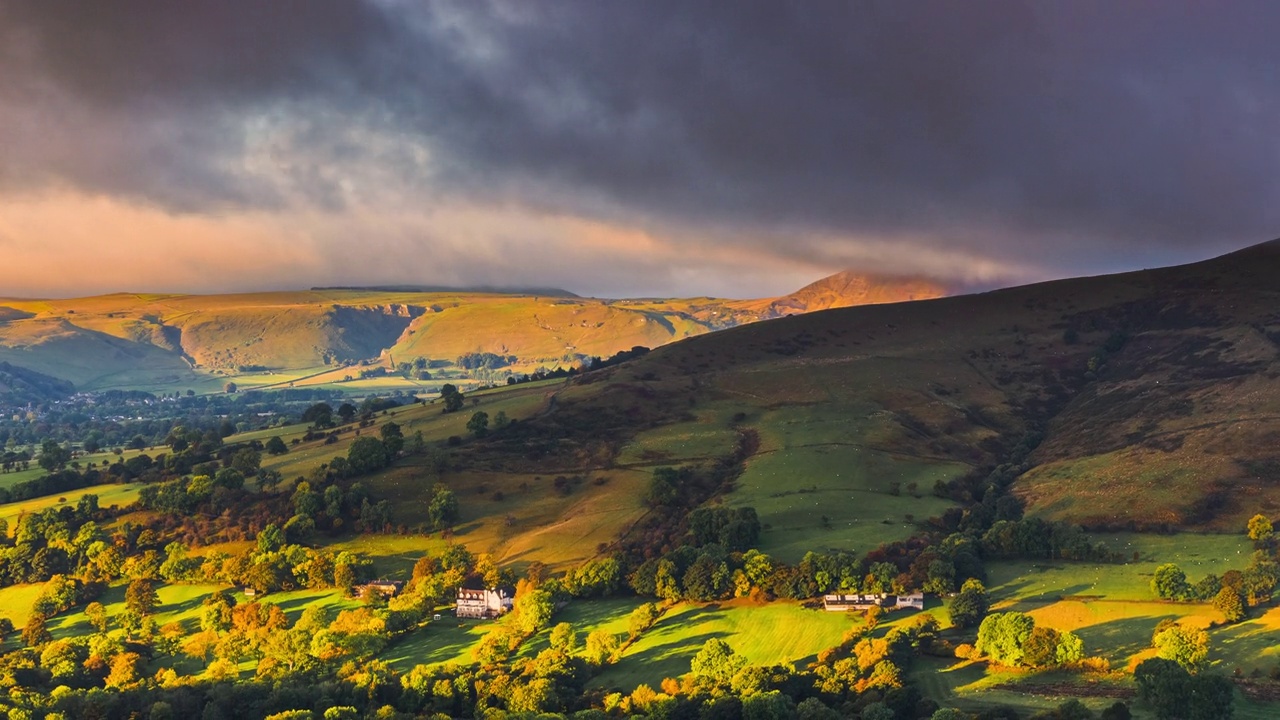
162,341
1156,393
20,385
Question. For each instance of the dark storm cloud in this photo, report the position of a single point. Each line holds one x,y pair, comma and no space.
1073,133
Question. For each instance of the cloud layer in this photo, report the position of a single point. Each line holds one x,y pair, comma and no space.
619,148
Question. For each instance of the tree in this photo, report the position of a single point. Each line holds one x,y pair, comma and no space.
53,456
124,670
1171,692
602,647
97,616
717,661
319,415
532,608
643,618
268,478
246,461
140,597
1189,647
1070,648
229,388
270,538
443,508
453,400
1170,582
35,633
276,446
478,425
1041,647
664,487
564,638
347,412
1230,604
1002,637
1259,528
367,455
392,438
970,605
1117,710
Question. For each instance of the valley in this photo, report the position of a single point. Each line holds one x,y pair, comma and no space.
1063,445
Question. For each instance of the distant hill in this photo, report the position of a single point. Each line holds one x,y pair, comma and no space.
464,289
850,288
1156,393
19,386
127,340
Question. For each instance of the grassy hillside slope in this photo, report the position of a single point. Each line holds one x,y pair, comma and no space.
1156,393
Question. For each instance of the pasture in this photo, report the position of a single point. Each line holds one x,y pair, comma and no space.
837,497
764,634
108,495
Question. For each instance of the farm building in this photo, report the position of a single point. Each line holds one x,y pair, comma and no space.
483,603
840,603
388,588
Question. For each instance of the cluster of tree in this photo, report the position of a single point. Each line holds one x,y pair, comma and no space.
451,398
1036,539
64,540
415,369
1013,639
1172,692
1232,593
586,364
484,360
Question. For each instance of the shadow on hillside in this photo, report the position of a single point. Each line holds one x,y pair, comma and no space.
1118,640
1246,645
656,662
184,606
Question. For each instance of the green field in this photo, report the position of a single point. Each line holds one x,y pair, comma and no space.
764,634
108,495
1197,555
837,497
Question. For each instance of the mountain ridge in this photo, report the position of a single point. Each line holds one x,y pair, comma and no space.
173,338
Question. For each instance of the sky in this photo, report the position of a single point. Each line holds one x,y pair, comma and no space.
736,149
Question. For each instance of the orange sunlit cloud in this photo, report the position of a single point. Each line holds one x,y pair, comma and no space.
67,244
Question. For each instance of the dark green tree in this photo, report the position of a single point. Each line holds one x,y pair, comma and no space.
392,438
347,412
452,398
969,606
319,415
1170,582
276,446
366,455
478,425
53,457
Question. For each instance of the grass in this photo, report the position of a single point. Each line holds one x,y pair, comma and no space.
16,602
451,640
106,457
837,496
1197,555
764,634
108,495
